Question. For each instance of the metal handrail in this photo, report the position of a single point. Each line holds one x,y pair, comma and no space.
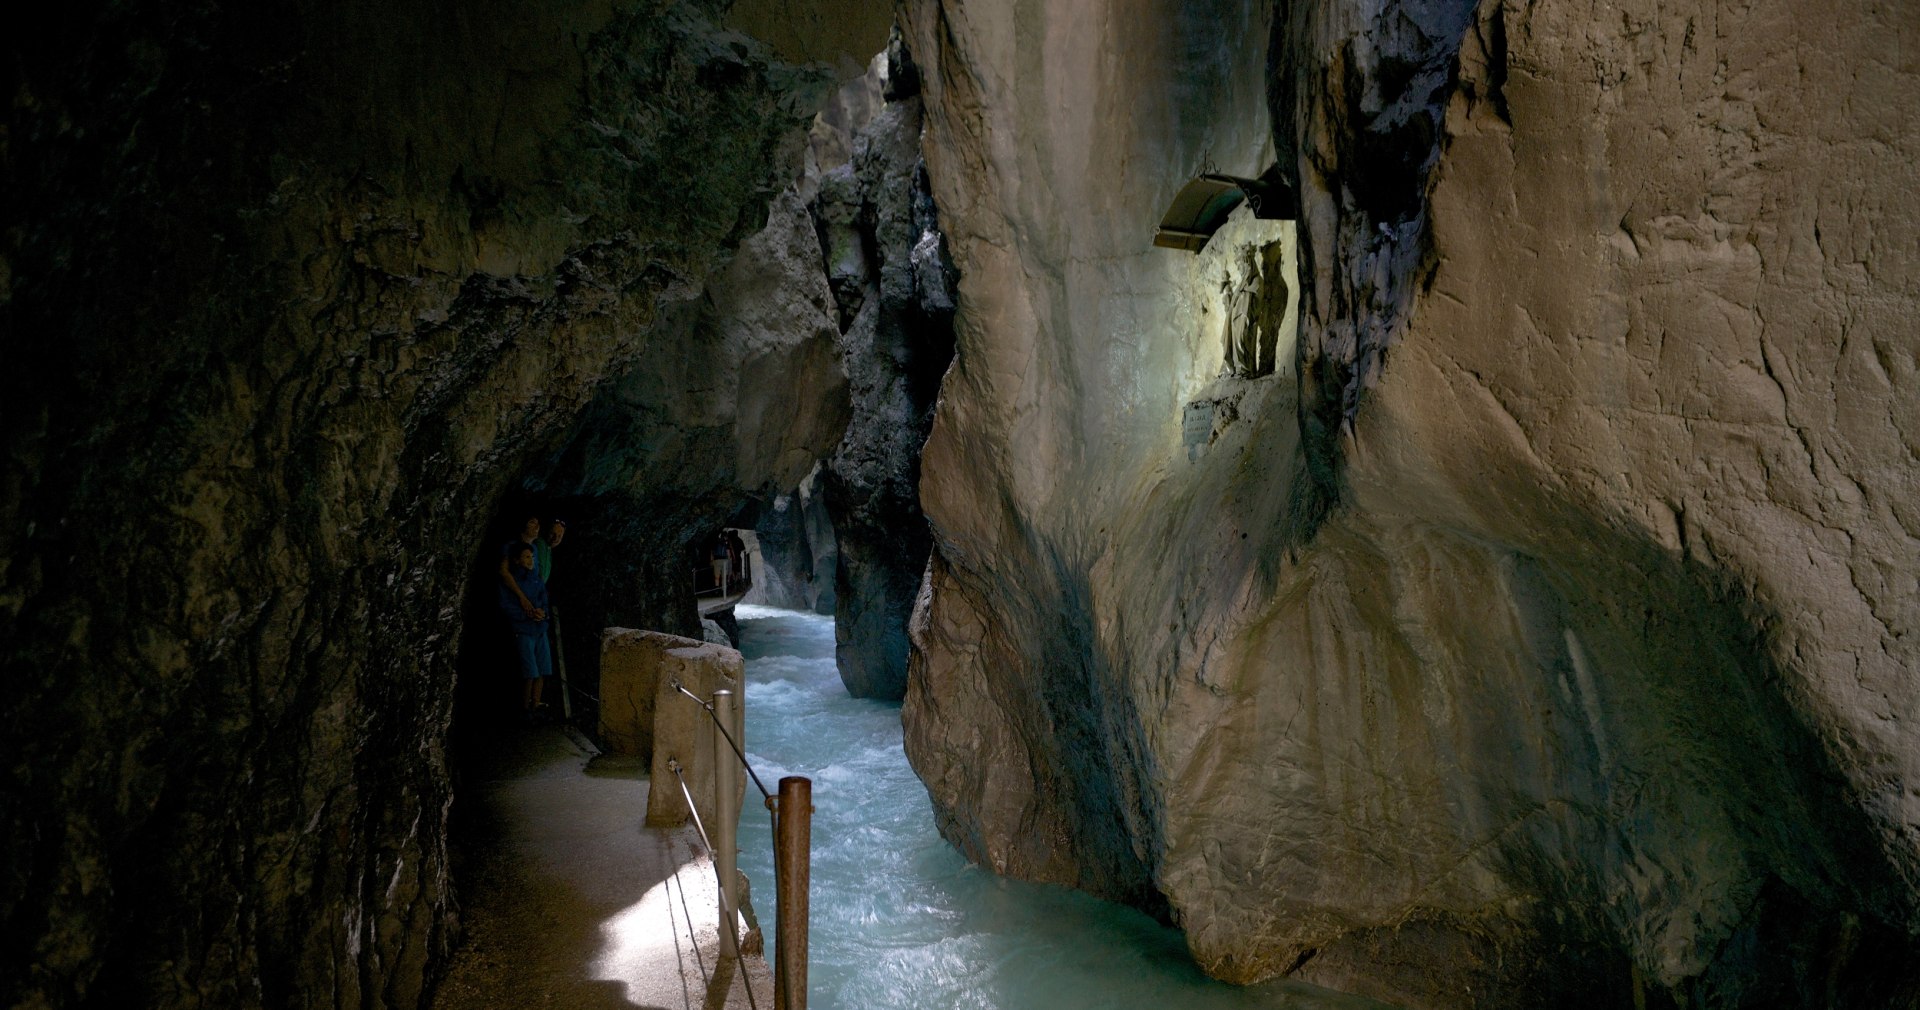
728,584
673,765
790,864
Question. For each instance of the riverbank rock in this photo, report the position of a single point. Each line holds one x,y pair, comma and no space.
1541,629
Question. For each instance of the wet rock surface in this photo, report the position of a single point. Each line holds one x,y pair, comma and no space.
851,540
1539,631
298,294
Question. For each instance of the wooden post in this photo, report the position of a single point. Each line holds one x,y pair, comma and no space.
792,853
726,814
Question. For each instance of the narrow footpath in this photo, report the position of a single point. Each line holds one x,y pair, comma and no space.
569,900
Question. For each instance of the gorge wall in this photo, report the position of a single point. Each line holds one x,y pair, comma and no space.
893,281
742,391
1540,630
850,540
295,295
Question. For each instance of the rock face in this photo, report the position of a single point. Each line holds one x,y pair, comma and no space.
743,392
851,539
797,545
294,295
1540,630
892,280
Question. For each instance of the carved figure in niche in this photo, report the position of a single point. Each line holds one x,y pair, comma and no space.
1239,286
1256,298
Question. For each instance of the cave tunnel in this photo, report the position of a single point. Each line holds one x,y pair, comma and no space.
765,455
1469,561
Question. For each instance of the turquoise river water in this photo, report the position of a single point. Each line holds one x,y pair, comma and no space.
900,919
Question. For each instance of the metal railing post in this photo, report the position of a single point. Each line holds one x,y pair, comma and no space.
560,662
792,857
726,814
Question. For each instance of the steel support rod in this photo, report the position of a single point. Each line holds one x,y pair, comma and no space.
792,854
726,814
560,662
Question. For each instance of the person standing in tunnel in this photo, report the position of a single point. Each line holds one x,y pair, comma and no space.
526,612
530,539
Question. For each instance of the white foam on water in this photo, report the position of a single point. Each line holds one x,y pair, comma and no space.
899,918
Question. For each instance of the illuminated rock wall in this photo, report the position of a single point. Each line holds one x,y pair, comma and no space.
1541,633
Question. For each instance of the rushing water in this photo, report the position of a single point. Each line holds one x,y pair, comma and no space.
900,920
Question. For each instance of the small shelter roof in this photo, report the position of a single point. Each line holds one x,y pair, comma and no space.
1202,206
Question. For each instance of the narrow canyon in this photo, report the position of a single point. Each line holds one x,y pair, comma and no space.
1416,495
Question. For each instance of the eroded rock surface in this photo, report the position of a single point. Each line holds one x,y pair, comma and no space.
1541,630
294,293
744,394
851,539
887,263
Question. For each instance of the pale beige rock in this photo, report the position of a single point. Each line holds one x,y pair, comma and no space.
683,732
644,715
1584,657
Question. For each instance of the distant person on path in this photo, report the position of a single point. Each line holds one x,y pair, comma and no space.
738,549
720,562
526,610
530,539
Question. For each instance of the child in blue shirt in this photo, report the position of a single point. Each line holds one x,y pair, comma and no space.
529,624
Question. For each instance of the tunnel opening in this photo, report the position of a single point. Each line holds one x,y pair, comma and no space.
771,454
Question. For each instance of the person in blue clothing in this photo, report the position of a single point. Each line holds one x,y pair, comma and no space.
529,537
526,610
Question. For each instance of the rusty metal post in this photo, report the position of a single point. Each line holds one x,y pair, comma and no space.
793,858
726,814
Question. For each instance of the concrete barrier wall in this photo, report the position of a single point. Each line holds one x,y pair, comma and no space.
641,715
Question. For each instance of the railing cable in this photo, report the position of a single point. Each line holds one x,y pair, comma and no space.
737,752
693,940
582,693
673,764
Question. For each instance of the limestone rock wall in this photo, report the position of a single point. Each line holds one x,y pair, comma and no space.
892,279
851,540
1540,630
1056,134
293,294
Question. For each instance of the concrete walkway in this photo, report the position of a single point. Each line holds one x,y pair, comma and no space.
569,900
